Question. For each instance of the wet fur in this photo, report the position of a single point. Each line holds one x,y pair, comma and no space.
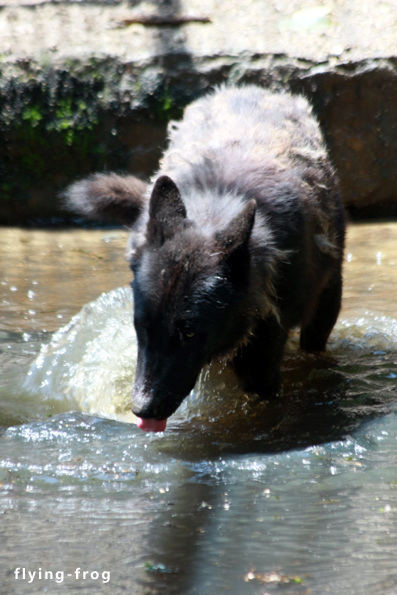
238,238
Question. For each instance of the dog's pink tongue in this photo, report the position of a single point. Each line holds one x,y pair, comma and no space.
151,425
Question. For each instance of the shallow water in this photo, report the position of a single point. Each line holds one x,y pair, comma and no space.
295,496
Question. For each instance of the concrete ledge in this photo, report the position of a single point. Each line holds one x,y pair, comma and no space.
67,109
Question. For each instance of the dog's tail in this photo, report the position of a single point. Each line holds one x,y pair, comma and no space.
107,197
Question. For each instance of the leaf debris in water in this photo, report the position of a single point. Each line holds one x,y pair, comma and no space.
159,568
272,577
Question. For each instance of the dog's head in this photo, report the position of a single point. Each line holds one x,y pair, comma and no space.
189,289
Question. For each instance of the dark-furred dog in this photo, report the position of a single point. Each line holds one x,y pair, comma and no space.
239,238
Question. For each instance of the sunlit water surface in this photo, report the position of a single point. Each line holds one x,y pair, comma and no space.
295,496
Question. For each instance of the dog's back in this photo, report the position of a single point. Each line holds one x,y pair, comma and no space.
251,122
246,143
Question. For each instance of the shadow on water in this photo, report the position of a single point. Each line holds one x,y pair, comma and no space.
316,406
321,411
319,405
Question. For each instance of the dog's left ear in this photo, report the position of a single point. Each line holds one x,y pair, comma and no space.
236,235
166,210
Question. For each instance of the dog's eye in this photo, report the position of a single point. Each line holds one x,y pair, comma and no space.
186,336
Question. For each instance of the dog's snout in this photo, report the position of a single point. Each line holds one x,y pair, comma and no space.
143,404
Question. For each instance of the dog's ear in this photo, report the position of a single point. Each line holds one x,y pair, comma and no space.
236,235
166,210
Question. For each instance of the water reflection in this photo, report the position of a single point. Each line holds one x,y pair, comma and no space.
370,279
47,276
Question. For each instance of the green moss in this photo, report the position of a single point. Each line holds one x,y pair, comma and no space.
33,115
62,147
56,122
166,108
167,103
71,117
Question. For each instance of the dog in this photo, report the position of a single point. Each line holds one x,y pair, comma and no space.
238,238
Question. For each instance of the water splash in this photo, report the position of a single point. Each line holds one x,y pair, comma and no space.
89,366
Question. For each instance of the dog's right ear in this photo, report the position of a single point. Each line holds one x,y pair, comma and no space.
166,210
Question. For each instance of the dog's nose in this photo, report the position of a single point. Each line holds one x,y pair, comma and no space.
141,408
143,405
